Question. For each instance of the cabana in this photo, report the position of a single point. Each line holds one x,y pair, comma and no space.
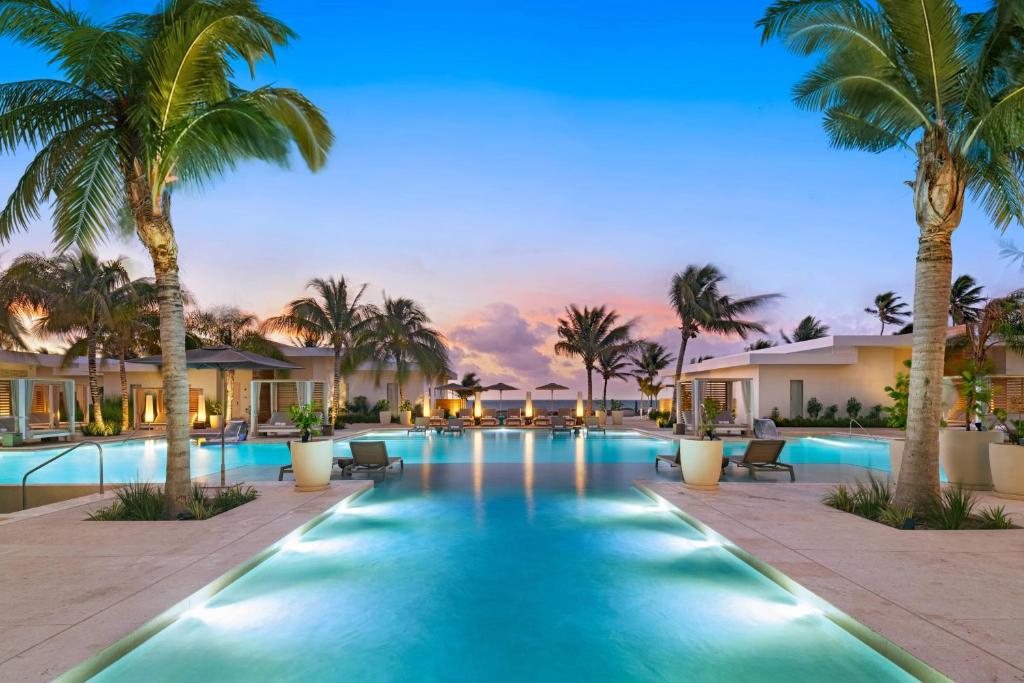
270,400
37,408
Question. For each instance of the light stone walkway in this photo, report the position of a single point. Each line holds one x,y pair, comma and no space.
72,587
953,598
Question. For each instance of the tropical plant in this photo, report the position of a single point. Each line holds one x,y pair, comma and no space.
814,408
965,299
133,328
400,334
590,333
853,408
333,317
649,360
808,328
945,85
889,309
760,344
840,497
1014,428
830,412
994,518
612,364
975,389
899,392
951,509
229,326
696,299
307,419
709,412
898,516
1001,319
12,327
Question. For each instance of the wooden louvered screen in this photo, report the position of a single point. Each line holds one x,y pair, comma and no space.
193,400
318,395
1007,394
6,406
287,395
718,392
686,400
39,400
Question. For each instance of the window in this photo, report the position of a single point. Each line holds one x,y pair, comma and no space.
796,398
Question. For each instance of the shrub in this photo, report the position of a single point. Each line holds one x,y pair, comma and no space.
111,411
875,414
144,502
853,408
813,408
951,509
654,415
840,498
872,500
898,516
899,392
141,501
775,416
108,429
994,518
359,404
831,412
381,405
214,407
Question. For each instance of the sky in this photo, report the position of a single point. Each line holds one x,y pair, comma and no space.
497,161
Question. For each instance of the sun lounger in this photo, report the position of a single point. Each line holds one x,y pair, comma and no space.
437,418
466,415
542,420
279,424
454,426
762,455
513,418
725,423
558,424
593,424
490,418
419,425
372,456
672,460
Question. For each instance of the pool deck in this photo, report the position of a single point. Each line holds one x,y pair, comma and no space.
72,587
953,598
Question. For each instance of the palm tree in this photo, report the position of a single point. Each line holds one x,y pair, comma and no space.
12,328
471,382
143,105
333,317
74,294
232,327
399,333
590,333
762,343
649,362
944,85
965,299
808,328
133,328
612,365
701,307
889,309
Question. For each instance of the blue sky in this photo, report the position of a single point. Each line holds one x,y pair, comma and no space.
497,161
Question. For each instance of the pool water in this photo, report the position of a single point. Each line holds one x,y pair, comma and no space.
548,569
146,460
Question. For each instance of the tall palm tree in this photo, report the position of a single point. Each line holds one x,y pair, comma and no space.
612,364
965,300
12,327
333,317
143,105
232,327
889,309
649,361
399,333
589,333
697,301
74,294
760,344
808,328
133,328
946,86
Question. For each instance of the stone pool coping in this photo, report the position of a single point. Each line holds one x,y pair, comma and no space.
954,599
74,587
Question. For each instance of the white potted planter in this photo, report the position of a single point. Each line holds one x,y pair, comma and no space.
311,463
616,417
405,418
964,457
1006,461
701,463
385,417
214,421
896,457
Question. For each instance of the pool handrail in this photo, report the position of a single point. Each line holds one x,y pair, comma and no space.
866,432
24,480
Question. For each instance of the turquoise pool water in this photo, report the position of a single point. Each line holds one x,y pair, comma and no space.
146,460
528,571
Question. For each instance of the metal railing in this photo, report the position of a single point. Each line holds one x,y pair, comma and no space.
24,480
868,434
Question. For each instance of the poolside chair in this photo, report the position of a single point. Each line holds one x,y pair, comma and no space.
490,418
372,456
762,455
466,415
279,424
419,425
765,429
454,426
558,424
437,418
593,424
672,460
725,423
513,418
542,420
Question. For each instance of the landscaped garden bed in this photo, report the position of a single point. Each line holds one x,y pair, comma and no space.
145,502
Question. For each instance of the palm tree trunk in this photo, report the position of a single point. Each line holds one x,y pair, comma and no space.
677,386
590,390
229,393
938,201
123,371
94,385
336,396
882,331
158,236
604,395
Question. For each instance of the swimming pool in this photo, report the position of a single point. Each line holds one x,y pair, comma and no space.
146,460
516,571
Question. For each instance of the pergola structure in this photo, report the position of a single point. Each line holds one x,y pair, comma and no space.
745,408
40,408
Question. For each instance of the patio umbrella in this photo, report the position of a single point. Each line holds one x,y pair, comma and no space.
552,387
500,387
223,358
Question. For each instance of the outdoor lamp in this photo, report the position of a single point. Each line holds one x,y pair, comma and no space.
426,404
478,410
528,409
201,410
149,415
579,404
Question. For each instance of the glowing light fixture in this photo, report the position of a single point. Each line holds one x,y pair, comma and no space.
149,415
579,404
528,409
478,410
426,404
201,410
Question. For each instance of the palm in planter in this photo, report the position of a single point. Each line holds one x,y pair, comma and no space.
306,420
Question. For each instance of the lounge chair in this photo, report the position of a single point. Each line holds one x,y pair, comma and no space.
437,418
466,415
372,456
672,460
558,424
513,418
419,425
764,428
40,421
593,424
279,424
8,424
762,455
454,426
542,420
490,418
725,423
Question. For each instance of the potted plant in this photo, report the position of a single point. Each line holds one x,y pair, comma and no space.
383,409
616,412
214,411
311,460
1006,460
701,461
405,413
963,452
